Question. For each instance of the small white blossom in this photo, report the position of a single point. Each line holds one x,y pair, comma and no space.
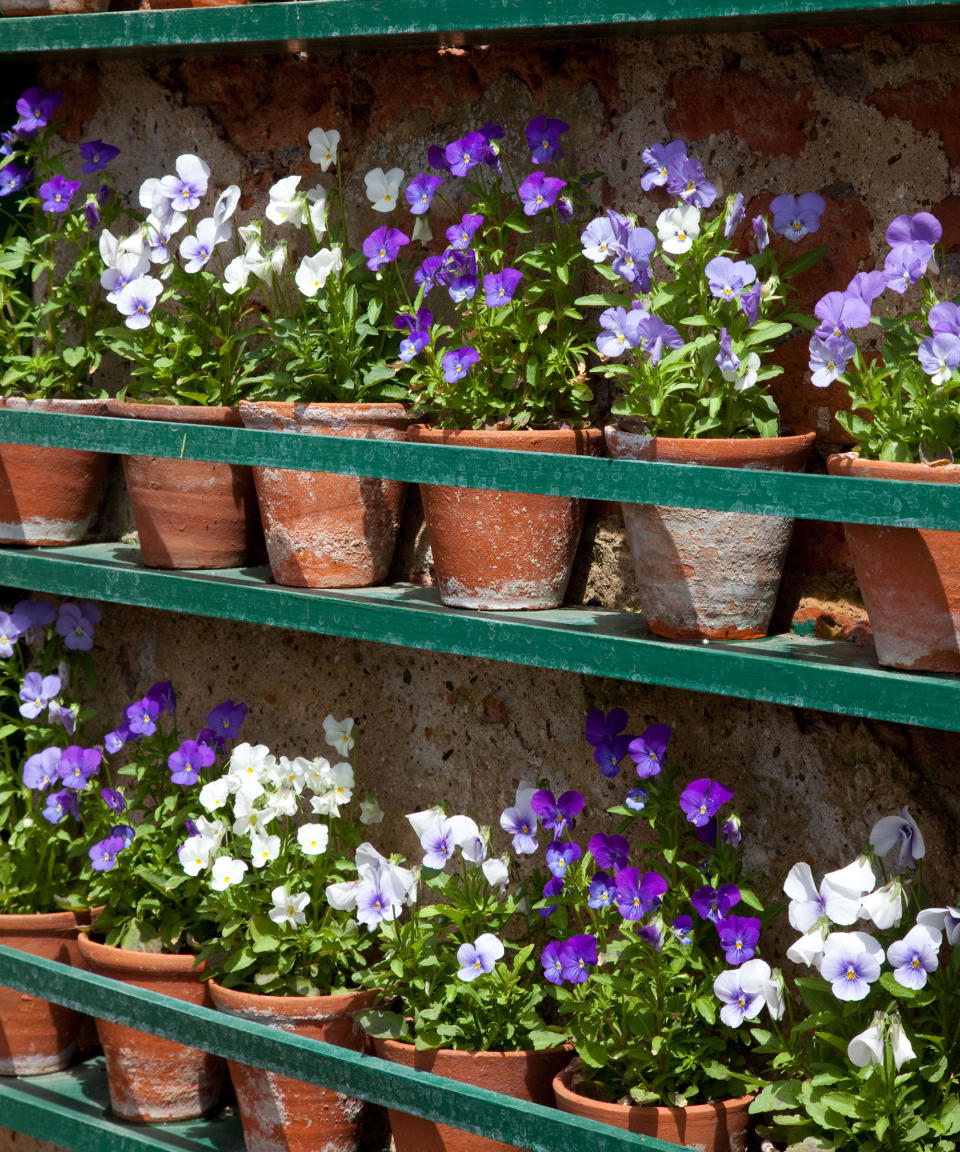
194,854
323,146
287,206
383,188
263,849
370,810
214,795
338,734
313,838
314,270
677,228
226,871
235,275
288,909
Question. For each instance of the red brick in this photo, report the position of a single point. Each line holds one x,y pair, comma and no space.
948,213
926,108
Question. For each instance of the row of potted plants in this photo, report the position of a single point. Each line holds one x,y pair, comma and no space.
221,873
489,337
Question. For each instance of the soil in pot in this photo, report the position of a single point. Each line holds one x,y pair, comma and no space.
504,550
324,529
191,513
703,574
280,1114
49,496
720,1126
36,1036
522,1075
154,1080
909,577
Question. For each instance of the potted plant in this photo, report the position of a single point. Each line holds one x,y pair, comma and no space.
54,200
326,350
277,951
904,420
502,364
685,336
43,810
657,940
872,1063
150,929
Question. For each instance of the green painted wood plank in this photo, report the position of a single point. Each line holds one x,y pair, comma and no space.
798,671
382,23
862,501
71,1109
422,1093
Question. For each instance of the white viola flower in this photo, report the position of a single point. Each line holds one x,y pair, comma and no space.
338,734
151,194
214,795
899,832
251,234
189,186
313,838
263,849
314,270
287,206
945,920
422,230
497,872
212,831
807,904
194,854
885,906
196,250
258,262
293,773
343,895
739,1001
226,205
323,146
383,188
341,780
480,957
127,267
399,883
857,877
317,208
278,258
677,228
111,248
283,801
235,275
474,848
809,948
288,909
317,775
868,1047
249,819
440,835
899,1043
775,993
370,810
226,872
137,300
747,372
249,765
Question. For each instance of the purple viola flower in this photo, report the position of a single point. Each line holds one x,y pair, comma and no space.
922,227
599,240
797,216
500,287
734,216
9,141
13,177
636,800
137,299
557,813
828,359
491,131
750,302
455,264
900,832
91,213
609,851
407,322
759,226
460,235
225,720
560,855
658,159
726,359
62,716
867,286
59,805
943,317
115,740
576,956
838,312
190,827
649,750
103,854
188,761
602,891
462,288
480,957
552,962
41,769
610,742
652,933
620,331
728,278
418,329
33,615
635,896
538,192
56,194
75,624
113,799
126,832
437,159
36,692
738,937
685,178
850,963
739,1004
683,930
632,261
715,903
655,335
77,765
9,635
164,695
730,832
939,357
467,153
420,192
702,799
456,363
543,138
439,845
520,822
382,246
373,904
142,716
553,887
97,155
914,957
35,108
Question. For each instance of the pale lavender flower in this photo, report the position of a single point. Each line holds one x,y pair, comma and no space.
915,956
137,300
59,805
905,264
521,821
838,312
75,624
828,359
759,225
850,963
457,363
734,216
944,317
185,190
658,158
656,335
620,331
899,832
598,240
632,261
501,286
797,216
939,357
922,227
36,693
480,957
867,286
727,279
739,989
686,179
41,769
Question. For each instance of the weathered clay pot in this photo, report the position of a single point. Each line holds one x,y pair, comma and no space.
191,513
909,577
51,7
37,1037
151,1079
280,1114
522,1075
504,550
721,1126
49,496
703,574
324,529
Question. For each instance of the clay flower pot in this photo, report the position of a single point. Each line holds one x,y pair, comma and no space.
280,1114
704,574
37,1037
504,550
51,7
49,496
909,577
151,1079
326,530
720,1126
522,1075
191,513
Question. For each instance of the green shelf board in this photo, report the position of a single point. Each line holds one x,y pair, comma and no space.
797,671
385,23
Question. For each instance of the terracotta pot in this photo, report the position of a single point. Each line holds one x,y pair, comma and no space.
151,1079
326,530
909,577
720,1126
504,550
51,7
147,5
37,1037
49,496
522,1075
191,513
280,1114
703,574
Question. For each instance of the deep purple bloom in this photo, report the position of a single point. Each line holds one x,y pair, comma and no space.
715,903
407,322
142,716
543,138
553,887
35,107
602,891
103,854
560,855
610,743
734,216
500,286
738,937
40,769
730,832
707,833
683,929
454,264
635,896
115,740
77,765
75,624
382,246
750,302
685,178
636,800
867,286
702,799
838,312
225,720
557,813
922,227
796,216
462,288
653,934
538,192
113,799
188,761
649,750
56,194
658,158
576,955
828,359
728,278
36,692
9,140
13,177
456,363
126,832
759,225
190,827
164,695
60,804
97,155
609,851
91,214
460,235
632,260
420,192
655,335
552,962
437,159
464,154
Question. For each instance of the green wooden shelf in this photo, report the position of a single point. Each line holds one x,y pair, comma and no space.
799,671
391,23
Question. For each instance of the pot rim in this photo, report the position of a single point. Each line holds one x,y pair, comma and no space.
292,1005
905,469
562,1088
36,922
175,413
792,440
129,960
406,1045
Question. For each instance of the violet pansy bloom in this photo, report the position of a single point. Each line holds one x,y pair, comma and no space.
13,177
632,260
41,769
553,887
383,246
418,329
543,138
867,286
610,742
797,216
500,287
9,635
620,331
649,750
734,216
420,192
576,956
686,179
945,920
658,158
56,194
715,903
728,278
552,962
702,799
521,821
35,108
598,240
557,813
457,363
609,851
225,720
560,855
480,957
59,805
828,359
730,832
922,227
602,891
462,288
839,312
103,854
115,740
738,937
36,693
726,359
538,192
850,963
635,896
683,930
97,155
466,153
939,357
113,799
142,716
436,158
652,933
164,695
636,800
759,226
915,956
77,765
460,235
944,317
126,832
656,335
188,761
899,832
425,276
905,264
